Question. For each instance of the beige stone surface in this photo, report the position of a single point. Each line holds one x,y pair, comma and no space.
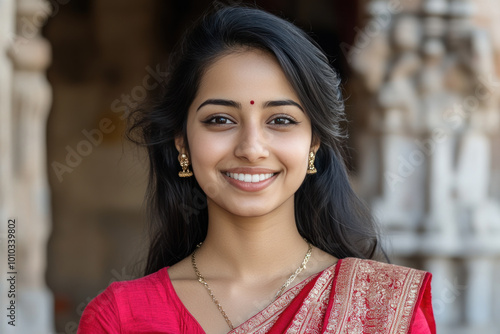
440,148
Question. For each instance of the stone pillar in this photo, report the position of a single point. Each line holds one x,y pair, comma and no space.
31,99
437,137
479,292
447,291
436,108
399,203
7,29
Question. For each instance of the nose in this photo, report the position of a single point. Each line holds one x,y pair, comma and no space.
252,143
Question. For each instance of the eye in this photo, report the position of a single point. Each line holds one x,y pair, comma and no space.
283,120
218,120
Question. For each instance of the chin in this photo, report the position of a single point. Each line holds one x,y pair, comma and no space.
256,209
249,212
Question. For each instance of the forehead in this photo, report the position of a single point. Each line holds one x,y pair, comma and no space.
247,74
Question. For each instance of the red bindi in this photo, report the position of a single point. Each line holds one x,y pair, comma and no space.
252,102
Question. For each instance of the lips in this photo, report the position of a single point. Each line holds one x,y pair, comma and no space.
250,179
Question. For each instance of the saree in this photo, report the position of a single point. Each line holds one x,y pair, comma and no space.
355,296
352,296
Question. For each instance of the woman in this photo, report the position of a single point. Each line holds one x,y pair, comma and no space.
255,228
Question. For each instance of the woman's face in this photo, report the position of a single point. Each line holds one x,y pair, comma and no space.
248,135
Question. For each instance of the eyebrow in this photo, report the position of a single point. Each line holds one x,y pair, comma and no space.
234,104
220,102
279,103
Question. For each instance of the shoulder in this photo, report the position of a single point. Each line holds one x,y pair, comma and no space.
387,279
141,289
380,269
181,271
124,300
155,282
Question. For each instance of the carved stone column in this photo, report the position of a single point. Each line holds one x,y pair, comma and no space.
7,18
479,301
438,135
446,291
31,99
433,119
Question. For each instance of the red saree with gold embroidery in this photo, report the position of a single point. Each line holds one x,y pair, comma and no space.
353,296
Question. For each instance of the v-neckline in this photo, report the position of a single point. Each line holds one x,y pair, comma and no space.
299,285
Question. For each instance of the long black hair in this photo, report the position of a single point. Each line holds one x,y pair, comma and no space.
328,213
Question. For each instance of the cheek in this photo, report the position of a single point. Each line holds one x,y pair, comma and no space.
206,150
197,148
294,152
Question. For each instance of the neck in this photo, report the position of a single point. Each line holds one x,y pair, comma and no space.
252,247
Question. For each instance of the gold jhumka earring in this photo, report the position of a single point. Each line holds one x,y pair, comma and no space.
311,169
184,161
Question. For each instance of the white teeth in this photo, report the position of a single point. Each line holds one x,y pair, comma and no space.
249,177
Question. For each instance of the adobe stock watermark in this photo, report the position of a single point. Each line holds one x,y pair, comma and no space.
11,273
199,203
72,326
95,137
452,290
381,20
453,118
199,199
29,26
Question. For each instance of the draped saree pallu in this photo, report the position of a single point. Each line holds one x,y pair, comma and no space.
353,296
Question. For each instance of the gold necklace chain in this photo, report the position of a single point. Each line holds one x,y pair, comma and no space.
296,273
290,279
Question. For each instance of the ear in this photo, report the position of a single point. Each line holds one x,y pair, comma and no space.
179,143
315,143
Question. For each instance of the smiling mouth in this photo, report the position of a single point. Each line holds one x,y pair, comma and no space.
250,178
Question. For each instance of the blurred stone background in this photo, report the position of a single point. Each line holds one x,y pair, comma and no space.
422,87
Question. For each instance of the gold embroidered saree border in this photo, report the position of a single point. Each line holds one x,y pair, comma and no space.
263,321
309,319
374,297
